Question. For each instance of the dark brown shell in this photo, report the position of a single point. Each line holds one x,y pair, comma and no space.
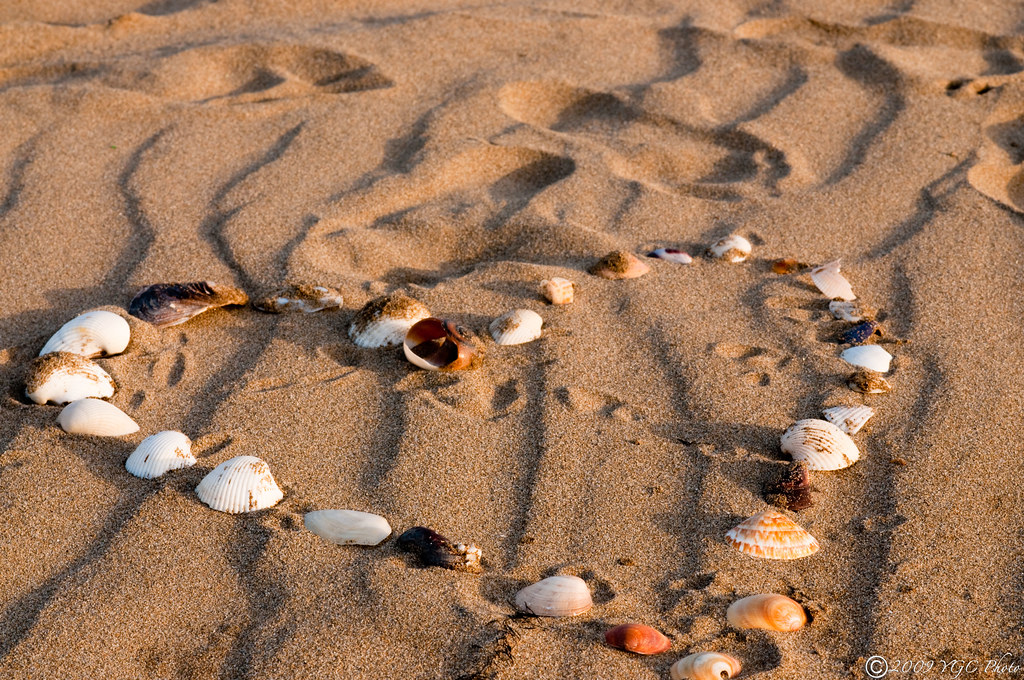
168,304
434,550
790,488
788,265
443,345
637,638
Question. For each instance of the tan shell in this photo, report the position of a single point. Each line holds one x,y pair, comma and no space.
242,484
849,419
831,283
301,298
705,666
92,334
732,248
767,612
160,453
96,417
62,377
384,321
772,535
558,291
868,382
516,327
619,264
555,596
820,444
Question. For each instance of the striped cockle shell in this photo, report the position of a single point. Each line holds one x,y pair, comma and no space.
516,327
96,417
767,612
242,484
348,527
384,321
820,444
160,453
849,310
871,357
555,596
771,535
868,382
705,666
301,298
92,334
732,248
637,638
169,304
62,377
558,291
831,283
441,345
849,419
619,264
672,255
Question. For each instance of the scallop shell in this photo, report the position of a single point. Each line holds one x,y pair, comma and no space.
619,264
871,357
558,291
850,311
441,345
348,527
820,444
705,666
61,377
831,283
384,321
435,550
637,638
516,327
791,488
160,453
242,484
767,612
301,298
92,334
97,417
169,304
860,333
555,596
849,419
671,254
868,382
772,535
732,248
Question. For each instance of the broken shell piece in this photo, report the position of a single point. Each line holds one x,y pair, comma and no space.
705,666
301,298
767,612
441,345
241,484
62,377
831,283
555,596
96,417
732,248
384,321
868,382
516,327
169,304
787,265
637,638
860,333
771,535
348,527
871,357
849,419
434,550
92,334
850,311
820,444
557,291
671,254
160,453
619,264
791,488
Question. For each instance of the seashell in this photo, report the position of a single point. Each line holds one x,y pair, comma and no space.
242,484
348,527
831,283
732,248
637,638
160,453
441,345
384,321
767,612
860,333
434,550
820,444
169,304
871,357
61,377
92,334
849,419
705,666
791,488
787,265
555,596
671,254
619,264
868,382
772,535
97,417
850,311
301,298
557,291
516,327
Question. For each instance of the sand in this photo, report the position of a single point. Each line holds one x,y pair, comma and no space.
460,153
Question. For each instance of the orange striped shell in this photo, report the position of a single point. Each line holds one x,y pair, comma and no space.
773,536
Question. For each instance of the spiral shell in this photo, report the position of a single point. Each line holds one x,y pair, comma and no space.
434,550
705,666
62,377
96,417
619,264
561,595
732,248
820,444
868,382
767,612
671,254
92,334
772,535
558,291
160,453
301,298
384,321
516,327
241,484
849,419
169,304
348,527
870,357
637,638
831,283
441,345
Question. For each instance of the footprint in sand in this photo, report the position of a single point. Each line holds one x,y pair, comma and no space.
999,172
756,364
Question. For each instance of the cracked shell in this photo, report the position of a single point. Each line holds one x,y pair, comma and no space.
348,527
619,264
771,535
241,484
384,321
516,327
820,444
62,377
160,453
555,596
732,248
92,334
705,666
868,382
767,612
169,304
849,419
301,298
831,283
96,417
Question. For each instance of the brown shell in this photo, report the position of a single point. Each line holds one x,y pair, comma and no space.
790,489
441,345
868,382
787,265
619,264
300,297
637,638
168,304
435,550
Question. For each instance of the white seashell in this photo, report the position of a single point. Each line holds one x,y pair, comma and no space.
384,321
558,291
732,248
516,327
242,484
849,419
555,596
62,377
160,453
705,666
348,527
95,416
831,283
672,255
871,357
93,334
820,444
850,311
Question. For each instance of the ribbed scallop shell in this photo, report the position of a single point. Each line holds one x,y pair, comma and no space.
772,535
868,382
62,377
555,596
92,334
849,419
871,357
850,311
637,638
671,254
558,291
705,666
242,484
169,304
619,264
831,283
820,444
384,321
160,453
96,417
767,612
301,298
348,527
516,327
732,248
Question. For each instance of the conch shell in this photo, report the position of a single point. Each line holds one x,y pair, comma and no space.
619,264
637,638
767,612
441,345
705,666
